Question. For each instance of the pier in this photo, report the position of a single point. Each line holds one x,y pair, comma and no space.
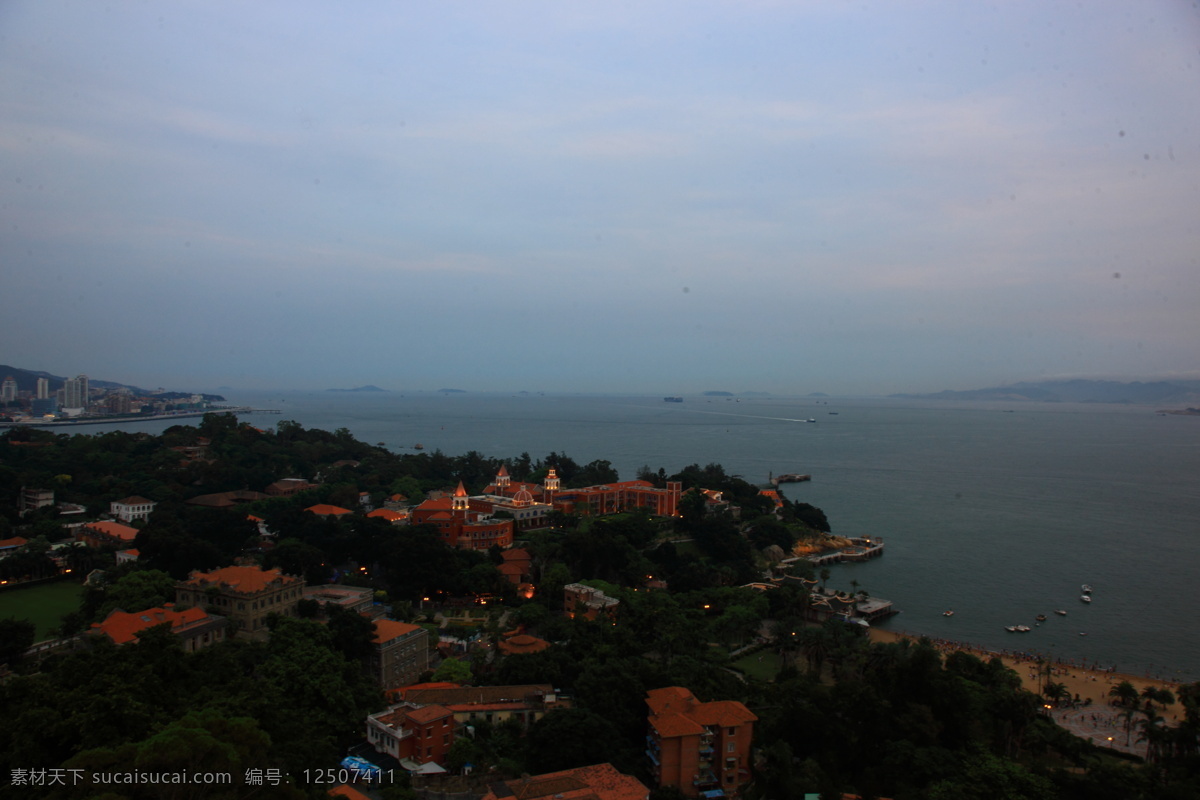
861,549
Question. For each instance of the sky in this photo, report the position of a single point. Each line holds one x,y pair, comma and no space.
661,197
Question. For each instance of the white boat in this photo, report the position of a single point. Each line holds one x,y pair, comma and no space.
1086,588
947,613
1023,629
1010,628
1060,612
1087,598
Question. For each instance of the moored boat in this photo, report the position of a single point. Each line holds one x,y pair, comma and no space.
1060,612
1087,598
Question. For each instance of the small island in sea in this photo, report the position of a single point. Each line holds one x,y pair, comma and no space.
367,388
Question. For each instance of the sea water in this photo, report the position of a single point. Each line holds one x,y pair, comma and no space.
997,512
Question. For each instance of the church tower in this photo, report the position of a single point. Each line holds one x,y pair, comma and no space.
460,499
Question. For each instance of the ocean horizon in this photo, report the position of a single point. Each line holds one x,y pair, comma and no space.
997,511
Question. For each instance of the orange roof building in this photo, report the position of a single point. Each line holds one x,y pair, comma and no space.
347,792
526,703
107,534
326,510
460,526
389,515
597,782
400,653
522,644
698,747
13,543
194,626
247,595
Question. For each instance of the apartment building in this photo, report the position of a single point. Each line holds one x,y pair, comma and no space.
700,748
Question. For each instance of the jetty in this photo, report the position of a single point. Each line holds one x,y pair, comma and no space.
860,549
788,477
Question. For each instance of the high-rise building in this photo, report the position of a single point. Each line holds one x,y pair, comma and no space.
43,388
8,390
75,392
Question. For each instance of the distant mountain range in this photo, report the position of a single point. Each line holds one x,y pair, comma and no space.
1079,391
27,382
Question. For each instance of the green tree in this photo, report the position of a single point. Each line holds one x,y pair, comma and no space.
571,737
16,636
453,670
137,591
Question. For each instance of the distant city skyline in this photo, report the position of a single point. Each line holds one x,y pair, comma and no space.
669,198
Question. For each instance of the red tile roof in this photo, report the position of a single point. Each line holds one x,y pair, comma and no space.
523,643
242,580
674,711
114,530
326,510
601,782
388,514
134,500
16,541
122,627
388,629
452,695
347,791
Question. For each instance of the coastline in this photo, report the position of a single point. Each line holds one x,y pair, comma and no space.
1087,683
62,423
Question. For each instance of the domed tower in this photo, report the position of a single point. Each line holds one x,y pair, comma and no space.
460,499
523,497
551,481
502,479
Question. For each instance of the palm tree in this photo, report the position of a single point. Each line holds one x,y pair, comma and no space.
824,577
815,644
1128,715
1055,692
1125,693
1155,734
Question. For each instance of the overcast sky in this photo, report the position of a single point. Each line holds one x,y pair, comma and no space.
651,196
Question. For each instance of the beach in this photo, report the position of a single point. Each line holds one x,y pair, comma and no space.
1098,720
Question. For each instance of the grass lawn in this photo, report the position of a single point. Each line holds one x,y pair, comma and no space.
42,605
764,665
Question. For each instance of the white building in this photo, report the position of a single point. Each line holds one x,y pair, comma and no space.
131,508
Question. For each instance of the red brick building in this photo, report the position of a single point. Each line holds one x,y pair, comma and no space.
460,526
107,534
419,734
609,498
698,747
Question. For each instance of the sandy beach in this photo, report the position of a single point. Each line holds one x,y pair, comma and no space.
1097,721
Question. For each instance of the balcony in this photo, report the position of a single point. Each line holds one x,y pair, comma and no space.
705,779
